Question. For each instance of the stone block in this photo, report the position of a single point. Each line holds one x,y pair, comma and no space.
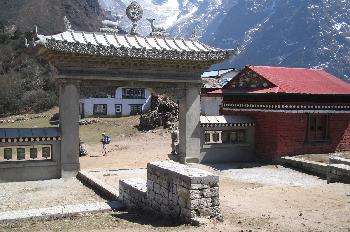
176,190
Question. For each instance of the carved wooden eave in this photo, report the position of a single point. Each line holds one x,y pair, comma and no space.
97,49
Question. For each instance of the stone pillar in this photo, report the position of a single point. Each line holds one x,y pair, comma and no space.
69,125
189,125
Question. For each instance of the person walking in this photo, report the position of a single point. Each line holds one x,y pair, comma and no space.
105,140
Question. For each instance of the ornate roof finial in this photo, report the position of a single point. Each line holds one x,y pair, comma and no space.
134,12
157,31
67,23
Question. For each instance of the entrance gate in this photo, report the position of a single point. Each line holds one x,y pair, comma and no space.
168,66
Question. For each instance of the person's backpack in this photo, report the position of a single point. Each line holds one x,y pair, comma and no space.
108,139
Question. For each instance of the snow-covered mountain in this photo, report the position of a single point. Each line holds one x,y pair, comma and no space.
179,17
303,33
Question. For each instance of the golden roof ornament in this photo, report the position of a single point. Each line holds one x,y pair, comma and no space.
134,12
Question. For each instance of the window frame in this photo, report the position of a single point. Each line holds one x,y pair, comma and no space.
221,132
95,109
133,93
132,112
119,113
313,138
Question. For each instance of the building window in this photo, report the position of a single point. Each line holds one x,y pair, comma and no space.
317,130
212,137
234,136
118,109
132,93
207,137
135,109
225,137
100,109
216,137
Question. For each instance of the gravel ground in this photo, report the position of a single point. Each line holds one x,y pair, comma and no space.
42,194
272,175
266,198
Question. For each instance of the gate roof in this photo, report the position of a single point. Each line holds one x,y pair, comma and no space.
133,46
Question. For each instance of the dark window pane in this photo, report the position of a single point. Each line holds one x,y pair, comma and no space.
207,137
216,137
317,128
225,137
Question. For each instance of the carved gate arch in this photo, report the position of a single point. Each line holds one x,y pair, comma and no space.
166,65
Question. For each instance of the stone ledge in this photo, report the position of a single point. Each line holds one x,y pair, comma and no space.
339,160
135,183
98,185
317,168
335,172
193,175
59,211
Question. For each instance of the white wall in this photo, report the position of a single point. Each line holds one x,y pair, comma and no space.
210,105
89,103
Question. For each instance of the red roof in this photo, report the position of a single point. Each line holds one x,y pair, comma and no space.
298,81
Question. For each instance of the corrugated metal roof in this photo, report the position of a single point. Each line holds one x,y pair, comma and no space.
301,80
215,73
13,133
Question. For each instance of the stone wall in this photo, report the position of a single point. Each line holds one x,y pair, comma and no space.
337,171
174,190
133,193
317,168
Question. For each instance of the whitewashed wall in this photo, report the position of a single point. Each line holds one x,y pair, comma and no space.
111,102
210,106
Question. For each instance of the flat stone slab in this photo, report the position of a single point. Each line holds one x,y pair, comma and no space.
60,211
194,175
136,183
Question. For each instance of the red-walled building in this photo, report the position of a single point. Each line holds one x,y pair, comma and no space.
296,110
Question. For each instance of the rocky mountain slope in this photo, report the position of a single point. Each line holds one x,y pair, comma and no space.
48,15
303,33
26,83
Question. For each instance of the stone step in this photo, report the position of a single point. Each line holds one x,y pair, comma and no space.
339,160
59,211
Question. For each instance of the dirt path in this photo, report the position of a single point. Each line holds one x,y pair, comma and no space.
266,198
129,152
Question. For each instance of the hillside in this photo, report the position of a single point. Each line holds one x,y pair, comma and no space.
26,82
48,15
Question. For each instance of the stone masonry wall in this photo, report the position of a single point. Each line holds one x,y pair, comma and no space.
133,193
338,170
176,191
182,192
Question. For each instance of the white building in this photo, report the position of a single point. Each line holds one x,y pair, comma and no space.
123,101
213,80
